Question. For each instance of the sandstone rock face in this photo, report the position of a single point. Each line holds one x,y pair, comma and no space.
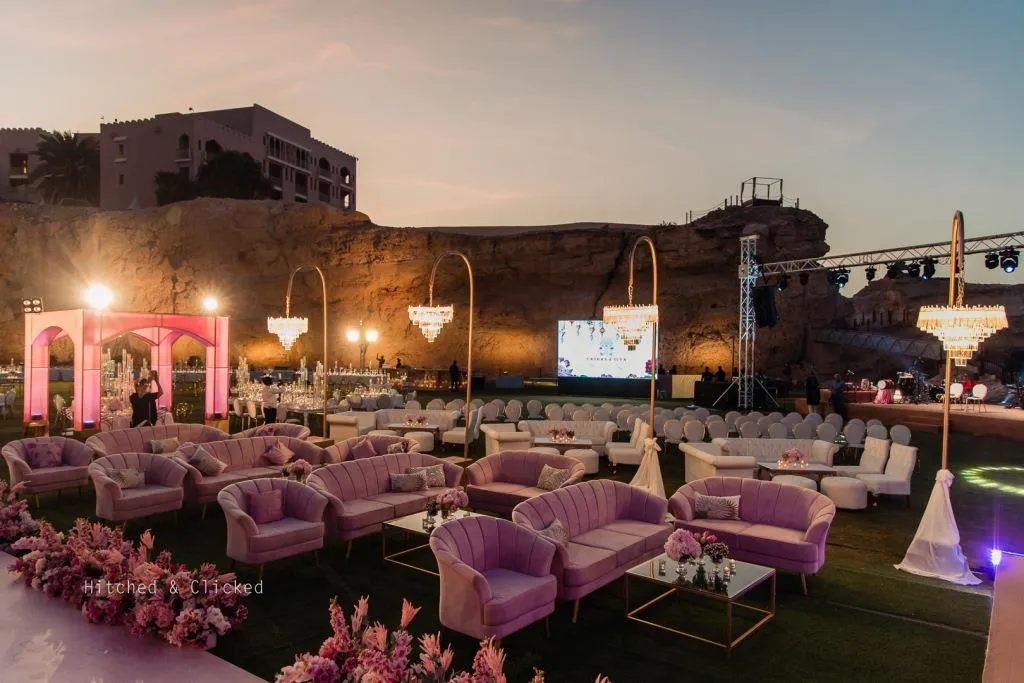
167,259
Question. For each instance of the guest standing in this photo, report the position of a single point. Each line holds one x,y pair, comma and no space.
720,375
144,401
813,392
706,376
455,375
838,400
269,395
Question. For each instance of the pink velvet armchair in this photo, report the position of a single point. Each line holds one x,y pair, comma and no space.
779,525
495,576
300,529
501,481
72,472
162,491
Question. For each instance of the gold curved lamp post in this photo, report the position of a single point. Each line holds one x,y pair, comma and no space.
288,329
633,320
960,328
430,319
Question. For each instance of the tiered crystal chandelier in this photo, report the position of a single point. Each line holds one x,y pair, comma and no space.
631,321
287,329
430,319
961,328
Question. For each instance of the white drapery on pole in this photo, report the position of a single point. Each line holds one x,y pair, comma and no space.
648,477
935,551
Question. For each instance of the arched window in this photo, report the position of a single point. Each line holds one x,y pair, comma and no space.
346,177
183,141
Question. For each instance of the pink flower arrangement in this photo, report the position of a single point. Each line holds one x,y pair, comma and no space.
415,419
298,468
112,581
360,652
682,544
452,499
15,519
793,458
559,434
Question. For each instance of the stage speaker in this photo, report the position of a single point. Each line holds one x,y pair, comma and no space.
765,312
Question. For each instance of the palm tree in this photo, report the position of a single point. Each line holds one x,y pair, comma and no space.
68,168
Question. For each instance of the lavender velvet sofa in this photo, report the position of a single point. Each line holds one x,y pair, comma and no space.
162,491
342,450
501,481
612,526
359,492
71,473
301,530
780,525
296,431
244,459
495,576
136,439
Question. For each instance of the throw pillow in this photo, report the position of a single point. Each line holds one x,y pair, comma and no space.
208,465
264,430
362,449
408,483
557,533
160,446
42,454
278,454
187,449
397,447
128,478
435,474
266,507
552,478
717,507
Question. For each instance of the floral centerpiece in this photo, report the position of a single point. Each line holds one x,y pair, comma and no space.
450,500
360,651
15,519
792,458
111,581
691,550
562,435
415,420
297,469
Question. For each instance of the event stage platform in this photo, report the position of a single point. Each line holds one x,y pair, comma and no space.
991,421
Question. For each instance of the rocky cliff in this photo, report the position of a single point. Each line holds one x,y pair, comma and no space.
166,259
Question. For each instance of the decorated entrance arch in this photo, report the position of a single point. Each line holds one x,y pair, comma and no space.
90,329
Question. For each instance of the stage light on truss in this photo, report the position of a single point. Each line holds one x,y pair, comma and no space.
870,272
783,282
895,270
839,278
992,260
1009,259
914,269
928,268
804,277
34,305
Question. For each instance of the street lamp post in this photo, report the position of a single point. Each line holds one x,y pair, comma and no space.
364,337
288,329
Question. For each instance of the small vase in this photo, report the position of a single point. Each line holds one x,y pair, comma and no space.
445,513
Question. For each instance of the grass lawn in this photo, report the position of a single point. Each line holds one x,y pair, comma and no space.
863,620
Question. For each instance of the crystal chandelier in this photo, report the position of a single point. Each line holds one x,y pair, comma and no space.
961,328
430,319
287,329
631,321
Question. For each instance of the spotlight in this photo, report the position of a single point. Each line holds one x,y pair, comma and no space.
352,334
928,266
869,273
371,336
995,556
32,305
210,304
914,270
842,278
804,277
894,270
1008,260
991,260
98,297
783,282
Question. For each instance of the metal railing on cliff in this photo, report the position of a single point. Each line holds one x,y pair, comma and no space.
735,200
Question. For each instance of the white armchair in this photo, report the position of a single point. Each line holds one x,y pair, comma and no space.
899,470
872,460
633,452
505,437
347,425
703,460
459,435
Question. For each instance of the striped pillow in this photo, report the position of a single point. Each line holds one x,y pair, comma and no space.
717,507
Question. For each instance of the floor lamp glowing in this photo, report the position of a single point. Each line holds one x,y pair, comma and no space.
632,321
430,319
288,329
935,550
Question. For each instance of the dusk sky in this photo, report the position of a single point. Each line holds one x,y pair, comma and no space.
882,117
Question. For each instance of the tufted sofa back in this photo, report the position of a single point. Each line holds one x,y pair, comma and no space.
296,431
366,477
74,452
486,543
589,505
521,467
136,439
242,454
603,431
769,450
341,451
761,502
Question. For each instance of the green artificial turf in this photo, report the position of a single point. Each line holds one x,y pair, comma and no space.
863,620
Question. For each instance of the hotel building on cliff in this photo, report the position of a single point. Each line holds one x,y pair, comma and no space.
300,167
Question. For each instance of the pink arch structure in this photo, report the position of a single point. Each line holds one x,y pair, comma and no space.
89,329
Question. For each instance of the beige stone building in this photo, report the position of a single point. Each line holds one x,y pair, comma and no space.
300,167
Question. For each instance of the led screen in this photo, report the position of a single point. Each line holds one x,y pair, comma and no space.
589,348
